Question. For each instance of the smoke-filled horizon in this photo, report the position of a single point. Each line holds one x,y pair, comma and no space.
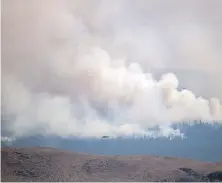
87,68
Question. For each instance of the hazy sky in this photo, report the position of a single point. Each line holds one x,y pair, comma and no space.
95,67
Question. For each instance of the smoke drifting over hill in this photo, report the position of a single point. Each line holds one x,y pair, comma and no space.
85,68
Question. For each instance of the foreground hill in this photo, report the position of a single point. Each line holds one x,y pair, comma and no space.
49,164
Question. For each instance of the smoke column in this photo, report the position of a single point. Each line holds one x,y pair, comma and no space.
85,68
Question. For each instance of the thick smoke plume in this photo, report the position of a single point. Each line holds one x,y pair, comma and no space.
87,68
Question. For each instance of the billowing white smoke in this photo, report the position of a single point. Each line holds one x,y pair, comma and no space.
62,74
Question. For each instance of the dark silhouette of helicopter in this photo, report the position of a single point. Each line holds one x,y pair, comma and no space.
105,137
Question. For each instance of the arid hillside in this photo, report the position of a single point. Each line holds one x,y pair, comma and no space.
49,164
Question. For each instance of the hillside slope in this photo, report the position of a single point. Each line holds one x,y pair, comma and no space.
49,164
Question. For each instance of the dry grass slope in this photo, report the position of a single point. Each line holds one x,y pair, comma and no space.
48,164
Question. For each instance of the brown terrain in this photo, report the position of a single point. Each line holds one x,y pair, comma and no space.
49,164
